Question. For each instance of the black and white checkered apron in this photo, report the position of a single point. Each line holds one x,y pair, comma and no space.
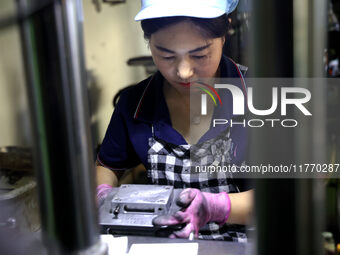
185,166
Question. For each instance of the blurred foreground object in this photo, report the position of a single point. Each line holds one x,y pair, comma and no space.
52,42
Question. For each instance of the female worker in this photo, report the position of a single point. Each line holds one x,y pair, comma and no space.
158,122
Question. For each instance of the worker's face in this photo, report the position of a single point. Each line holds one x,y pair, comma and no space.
182,54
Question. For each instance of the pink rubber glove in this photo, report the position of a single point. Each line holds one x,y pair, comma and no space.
199,208
102,192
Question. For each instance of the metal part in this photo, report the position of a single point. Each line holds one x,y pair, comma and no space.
131,208
116,211
143,199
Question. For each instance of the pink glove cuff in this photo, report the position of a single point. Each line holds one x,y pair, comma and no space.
219,207
102,191
228,208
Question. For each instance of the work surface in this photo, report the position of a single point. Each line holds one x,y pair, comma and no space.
204,247
139,245
32,244
164,245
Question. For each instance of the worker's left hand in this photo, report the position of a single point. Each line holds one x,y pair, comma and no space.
198,208
102,191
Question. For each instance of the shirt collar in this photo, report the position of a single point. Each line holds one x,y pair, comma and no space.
152,105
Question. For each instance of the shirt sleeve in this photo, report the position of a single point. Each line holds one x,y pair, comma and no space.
244,184
116,151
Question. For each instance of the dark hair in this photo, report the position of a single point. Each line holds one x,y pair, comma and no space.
212,28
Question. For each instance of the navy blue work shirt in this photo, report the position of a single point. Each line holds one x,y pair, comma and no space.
125,144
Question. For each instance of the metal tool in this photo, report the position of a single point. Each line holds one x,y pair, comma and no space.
130,209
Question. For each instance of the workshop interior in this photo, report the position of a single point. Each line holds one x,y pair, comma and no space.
64,65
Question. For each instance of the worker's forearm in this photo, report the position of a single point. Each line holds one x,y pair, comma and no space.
106,176
241,207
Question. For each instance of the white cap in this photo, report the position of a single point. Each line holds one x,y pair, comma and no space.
190,8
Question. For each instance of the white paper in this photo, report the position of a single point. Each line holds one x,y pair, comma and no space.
116,245
164,249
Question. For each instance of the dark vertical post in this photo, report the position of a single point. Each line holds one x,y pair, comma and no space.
272,56
54,63
282,204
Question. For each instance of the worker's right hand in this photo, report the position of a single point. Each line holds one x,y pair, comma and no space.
102,191
198,208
